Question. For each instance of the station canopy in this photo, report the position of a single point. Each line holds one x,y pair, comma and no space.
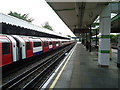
12,25
78,16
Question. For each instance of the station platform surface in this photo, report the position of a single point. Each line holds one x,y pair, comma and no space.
83,71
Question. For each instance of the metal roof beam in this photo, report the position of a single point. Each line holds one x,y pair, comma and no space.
115,30
67,9
115,7
116,18
81,30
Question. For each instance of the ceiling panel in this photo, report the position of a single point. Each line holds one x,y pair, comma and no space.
78,14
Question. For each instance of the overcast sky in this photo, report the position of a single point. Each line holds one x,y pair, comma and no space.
37,9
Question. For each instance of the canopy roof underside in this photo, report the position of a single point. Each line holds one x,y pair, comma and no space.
78,15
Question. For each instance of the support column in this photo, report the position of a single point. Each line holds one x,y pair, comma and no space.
86,38
90,38
83,38
104,40
96,38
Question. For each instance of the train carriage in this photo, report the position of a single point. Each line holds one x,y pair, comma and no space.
57,43
14,47
29,46
45,44
37,46
60,42
50,43
21,49
0,53
53,43
5,51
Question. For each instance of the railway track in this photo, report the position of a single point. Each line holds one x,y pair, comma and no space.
13,68
35,77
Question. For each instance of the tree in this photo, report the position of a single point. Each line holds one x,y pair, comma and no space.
20,16
114,38
46,25
68,35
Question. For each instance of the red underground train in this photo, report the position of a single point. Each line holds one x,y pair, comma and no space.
14,48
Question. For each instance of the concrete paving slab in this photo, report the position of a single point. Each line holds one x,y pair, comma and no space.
82,71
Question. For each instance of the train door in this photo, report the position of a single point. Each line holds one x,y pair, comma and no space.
29,48
60,42
57,42
54,44
45,44
21,52
50,44
6,51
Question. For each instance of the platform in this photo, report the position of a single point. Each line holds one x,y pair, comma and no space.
82,71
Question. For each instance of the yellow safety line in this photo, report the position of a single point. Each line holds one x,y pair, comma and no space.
56,79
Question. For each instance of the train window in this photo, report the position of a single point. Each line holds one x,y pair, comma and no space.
37,44
27,40
5,48
28,45
45,44
50,43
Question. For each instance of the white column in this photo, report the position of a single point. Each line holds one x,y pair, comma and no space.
104,41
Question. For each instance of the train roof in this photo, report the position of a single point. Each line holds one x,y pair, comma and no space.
7,19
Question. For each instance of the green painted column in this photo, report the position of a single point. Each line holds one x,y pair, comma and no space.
104,40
